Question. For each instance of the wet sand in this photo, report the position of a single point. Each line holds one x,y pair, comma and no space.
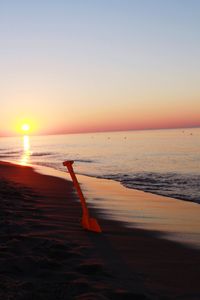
45,254
173,219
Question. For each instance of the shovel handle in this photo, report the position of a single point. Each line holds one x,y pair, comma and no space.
87,222
69,164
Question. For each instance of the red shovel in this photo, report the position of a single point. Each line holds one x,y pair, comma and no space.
87,222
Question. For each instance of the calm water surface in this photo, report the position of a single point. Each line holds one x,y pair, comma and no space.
165,162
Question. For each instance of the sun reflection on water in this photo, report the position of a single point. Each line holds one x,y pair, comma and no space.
25,159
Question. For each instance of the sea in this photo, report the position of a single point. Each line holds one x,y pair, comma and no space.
163,162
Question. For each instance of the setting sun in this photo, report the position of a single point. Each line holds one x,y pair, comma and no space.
25,127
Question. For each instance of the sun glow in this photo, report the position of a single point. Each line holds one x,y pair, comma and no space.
25,127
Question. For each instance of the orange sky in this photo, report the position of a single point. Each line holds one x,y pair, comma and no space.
86,71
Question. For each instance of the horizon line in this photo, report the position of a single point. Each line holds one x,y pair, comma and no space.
104,131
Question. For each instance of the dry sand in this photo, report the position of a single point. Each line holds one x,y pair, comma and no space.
45,254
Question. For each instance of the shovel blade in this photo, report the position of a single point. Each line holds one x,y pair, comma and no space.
91,224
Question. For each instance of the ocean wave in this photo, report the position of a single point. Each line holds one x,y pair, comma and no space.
84,160
42,153
179,186
6,153
4,156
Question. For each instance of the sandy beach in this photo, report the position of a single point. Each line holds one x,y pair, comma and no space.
45,254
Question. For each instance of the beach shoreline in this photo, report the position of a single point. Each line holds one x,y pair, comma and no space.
121,263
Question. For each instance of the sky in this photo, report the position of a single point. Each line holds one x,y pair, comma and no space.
99,65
